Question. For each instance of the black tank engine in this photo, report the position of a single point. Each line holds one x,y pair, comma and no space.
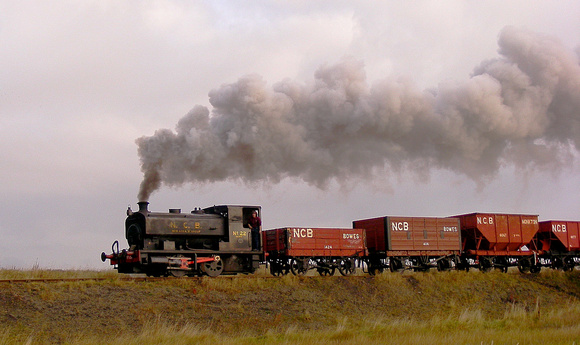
209,241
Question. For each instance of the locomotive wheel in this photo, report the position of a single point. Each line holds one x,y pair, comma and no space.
213,268
298,267
346,267
524,265
156,271
177,273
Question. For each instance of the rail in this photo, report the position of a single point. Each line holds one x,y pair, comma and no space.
147,279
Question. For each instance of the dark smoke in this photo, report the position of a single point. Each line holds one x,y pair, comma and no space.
521,109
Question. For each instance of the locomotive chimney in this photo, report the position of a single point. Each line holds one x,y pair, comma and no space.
143,206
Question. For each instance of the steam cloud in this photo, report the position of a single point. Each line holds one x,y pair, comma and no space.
521,109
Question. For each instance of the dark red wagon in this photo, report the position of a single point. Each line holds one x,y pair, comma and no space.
411,242
298,250
559,242
499,240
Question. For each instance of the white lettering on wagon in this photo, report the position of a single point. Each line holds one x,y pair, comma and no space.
485,220
351,236
303,233
529,221
558,227
400,226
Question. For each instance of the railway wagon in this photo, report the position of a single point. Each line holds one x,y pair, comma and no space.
299,250
492,240
559,243
411,242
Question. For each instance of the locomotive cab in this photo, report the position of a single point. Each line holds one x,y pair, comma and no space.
237,235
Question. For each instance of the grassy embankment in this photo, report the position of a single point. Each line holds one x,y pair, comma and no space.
408,308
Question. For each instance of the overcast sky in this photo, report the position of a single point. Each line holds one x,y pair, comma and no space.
81,81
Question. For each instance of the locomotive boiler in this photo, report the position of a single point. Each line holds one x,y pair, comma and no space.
210,241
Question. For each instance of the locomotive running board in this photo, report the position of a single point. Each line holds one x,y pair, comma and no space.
198,251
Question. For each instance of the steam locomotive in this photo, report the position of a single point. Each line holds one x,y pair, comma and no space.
208,241
217,240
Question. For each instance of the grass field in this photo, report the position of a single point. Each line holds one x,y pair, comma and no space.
409,308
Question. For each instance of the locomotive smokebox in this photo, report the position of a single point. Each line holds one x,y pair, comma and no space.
143,206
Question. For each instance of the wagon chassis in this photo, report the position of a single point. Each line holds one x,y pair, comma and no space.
299,266
399,261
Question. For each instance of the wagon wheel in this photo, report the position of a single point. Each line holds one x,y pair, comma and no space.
443,265
275,268
279,267
374,266
535,268
299,267
395,264
462,264
557,263
524,265
326,271
485,264
346,267
422,264
325,267
501,264
568,264
213,268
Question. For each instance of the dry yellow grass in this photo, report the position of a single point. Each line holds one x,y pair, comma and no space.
408,308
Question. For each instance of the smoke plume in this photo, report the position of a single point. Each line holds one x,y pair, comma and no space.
521,109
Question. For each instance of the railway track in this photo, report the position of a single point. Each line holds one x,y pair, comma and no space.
147,279
54,280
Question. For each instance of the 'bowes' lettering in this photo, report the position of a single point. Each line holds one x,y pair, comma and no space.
350,236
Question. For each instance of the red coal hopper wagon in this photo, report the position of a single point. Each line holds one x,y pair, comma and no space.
491,240
559,243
